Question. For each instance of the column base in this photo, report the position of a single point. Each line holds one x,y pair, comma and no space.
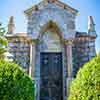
37,88
68,81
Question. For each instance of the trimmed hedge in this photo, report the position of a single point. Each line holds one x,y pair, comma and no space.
15,84
86,86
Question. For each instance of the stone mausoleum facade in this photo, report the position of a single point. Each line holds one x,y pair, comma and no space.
51,51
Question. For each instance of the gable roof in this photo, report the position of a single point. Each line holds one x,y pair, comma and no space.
57,2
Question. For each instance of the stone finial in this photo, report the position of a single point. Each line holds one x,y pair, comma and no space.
91,25
11,25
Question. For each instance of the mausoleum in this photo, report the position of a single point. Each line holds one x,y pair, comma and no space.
52,51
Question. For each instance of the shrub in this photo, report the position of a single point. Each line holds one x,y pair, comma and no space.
14,83
86,86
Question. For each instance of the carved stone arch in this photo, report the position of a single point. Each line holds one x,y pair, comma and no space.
50,37
53,27
45,21
50,47
58,48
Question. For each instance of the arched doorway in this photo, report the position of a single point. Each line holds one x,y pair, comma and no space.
51,87
51,65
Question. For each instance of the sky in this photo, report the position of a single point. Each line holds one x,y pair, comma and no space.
86,8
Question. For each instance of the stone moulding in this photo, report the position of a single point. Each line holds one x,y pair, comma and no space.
56,2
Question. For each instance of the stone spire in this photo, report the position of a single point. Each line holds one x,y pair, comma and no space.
91,26
11,25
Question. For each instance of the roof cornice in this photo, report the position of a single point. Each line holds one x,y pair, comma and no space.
44,2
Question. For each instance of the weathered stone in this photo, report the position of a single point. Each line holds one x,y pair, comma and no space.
51,29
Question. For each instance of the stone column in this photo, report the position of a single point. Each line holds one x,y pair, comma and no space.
32,59
69,58
69,64
32,68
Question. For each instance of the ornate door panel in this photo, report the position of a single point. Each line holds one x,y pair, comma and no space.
51,87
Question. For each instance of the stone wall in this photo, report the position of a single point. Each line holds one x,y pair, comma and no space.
19,48
83,51
51,12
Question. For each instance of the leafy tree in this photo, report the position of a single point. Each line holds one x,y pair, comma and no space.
86,86
14,83
3,42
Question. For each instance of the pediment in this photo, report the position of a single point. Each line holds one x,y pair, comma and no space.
46,2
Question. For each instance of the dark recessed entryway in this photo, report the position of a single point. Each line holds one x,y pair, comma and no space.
51,85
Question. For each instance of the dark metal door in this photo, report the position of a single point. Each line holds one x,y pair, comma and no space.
51,87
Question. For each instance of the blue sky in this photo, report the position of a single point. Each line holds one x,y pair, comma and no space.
85,7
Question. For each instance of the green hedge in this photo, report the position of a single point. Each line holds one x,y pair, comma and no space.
86,86
14,83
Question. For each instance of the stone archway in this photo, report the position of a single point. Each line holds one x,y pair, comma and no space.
50,47
50,38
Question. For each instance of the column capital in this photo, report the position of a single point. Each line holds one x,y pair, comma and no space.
33,41
69,42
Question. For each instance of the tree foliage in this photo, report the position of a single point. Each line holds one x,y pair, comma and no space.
86,86
14,83
3,42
